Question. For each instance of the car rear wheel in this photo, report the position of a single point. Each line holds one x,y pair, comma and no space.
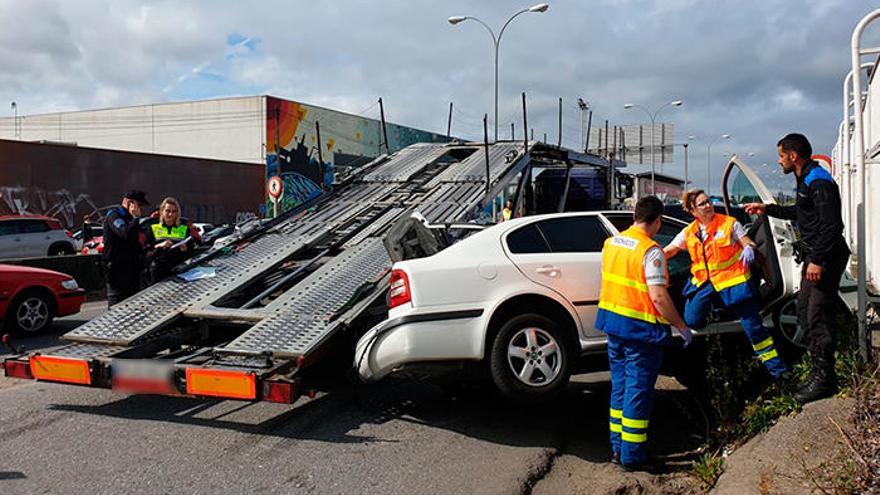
30,313
530,358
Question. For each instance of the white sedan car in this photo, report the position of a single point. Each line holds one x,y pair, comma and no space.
521,297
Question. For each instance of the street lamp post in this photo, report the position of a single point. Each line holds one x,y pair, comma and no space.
15,119
709,158
653,116
496,40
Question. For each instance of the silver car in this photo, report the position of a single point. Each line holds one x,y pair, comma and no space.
33,236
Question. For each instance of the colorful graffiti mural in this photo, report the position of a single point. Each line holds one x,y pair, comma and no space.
292,145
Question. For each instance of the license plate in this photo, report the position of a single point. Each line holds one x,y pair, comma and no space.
142,376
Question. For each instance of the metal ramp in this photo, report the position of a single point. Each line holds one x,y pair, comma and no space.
445,181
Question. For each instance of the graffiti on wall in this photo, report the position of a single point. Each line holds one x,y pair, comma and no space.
306,165
67,207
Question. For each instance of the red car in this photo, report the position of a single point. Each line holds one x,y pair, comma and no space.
31,297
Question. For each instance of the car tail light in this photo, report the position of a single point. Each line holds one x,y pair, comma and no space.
399,293
69,233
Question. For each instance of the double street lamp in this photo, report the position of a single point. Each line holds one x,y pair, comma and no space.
653,116
496,40
709,144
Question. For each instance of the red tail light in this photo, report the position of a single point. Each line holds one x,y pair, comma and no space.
69,234
399,293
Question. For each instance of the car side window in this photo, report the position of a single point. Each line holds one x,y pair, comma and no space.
8,228
584,234
34,226
527,240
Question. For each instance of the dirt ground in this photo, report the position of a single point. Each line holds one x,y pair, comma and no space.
790,456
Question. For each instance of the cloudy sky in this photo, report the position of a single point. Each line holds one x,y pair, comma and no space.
753,69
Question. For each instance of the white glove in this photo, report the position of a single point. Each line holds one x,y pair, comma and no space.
686,334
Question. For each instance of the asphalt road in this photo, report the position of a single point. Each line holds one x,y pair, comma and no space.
395,437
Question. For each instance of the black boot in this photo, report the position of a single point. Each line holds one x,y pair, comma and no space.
821,383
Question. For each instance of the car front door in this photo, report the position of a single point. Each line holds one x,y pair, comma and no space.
565,255
777,269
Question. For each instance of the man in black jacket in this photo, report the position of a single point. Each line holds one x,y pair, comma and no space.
123,252
817,214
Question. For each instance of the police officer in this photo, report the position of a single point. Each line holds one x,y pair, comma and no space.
169,238
123,252
636,311
721,254
817,213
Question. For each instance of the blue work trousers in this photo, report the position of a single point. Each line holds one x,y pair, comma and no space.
634,367
696,313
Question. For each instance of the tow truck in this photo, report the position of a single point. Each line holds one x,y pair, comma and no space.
270,303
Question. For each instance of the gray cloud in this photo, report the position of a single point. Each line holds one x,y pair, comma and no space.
754,69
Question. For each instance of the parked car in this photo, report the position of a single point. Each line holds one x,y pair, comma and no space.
24,236
31,297
521,297
85,235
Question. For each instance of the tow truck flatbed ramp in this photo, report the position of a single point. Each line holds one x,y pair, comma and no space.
281,292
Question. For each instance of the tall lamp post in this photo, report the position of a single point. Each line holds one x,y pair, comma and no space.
14,119
709,158
653,116
496,40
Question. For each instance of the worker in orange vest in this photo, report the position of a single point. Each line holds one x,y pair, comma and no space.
721,255
635,311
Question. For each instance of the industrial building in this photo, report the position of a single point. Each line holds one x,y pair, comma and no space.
302,143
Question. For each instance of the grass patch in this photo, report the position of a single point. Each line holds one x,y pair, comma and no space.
707,469
760,415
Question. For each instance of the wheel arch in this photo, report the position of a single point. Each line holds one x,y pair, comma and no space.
532,303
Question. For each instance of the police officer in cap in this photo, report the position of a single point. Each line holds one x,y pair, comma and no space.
123,252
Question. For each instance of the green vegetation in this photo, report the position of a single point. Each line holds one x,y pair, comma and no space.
707,469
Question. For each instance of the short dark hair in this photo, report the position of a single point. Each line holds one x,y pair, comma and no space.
797,143
648,209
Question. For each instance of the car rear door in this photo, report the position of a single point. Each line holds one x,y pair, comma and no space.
35,237
9,239
563,253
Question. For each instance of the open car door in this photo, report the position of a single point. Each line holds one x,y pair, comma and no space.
776,269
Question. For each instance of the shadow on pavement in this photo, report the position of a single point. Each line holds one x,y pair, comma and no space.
576,423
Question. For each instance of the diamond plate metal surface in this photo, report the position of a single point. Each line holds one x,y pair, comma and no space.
300,319
406,163
303,314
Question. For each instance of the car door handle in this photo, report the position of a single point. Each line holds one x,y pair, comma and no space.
548,270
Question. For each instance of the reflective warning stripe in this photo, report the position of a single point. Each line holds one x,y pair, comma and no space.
763,344
768,355
635,423
631,313
626,282
615,428
731,282
616,413
633,437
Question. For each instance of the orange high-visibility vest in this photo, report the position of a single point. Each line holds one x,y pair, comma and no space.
717,257
624,289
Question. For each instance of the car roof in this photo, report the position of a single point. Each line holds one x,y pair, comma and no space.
26,217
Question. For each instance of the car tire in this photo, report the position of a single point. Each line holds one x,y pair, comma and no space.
30,313
787,336
530,358
60,249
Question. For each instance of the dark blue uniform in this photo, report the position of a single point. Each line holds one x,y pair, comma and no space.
818,216
123,254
